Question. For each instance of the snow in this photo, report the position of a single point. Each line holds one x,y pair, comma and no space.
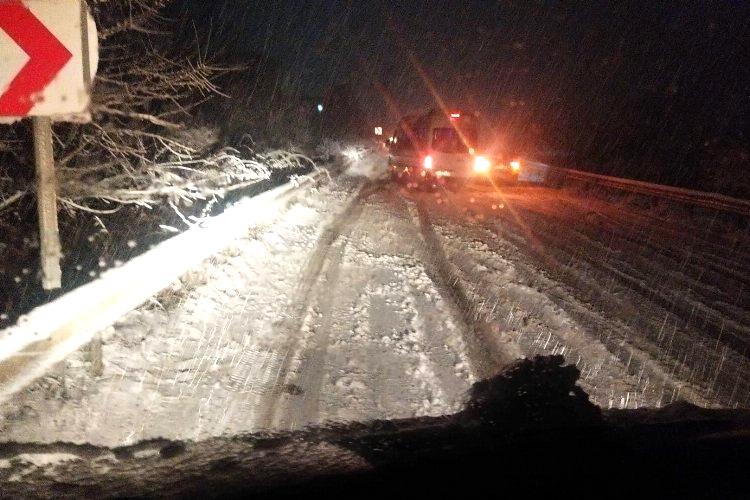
45,459
243,343
533,171
331,312
559,281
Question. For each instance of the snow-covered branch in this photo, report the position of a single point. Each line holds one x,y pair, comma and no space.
179,182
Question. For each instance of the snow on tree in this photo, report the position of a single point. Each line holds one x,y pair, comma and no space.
143,145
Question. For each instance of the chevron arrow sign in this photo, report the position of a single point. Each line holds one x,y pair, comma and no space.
48,56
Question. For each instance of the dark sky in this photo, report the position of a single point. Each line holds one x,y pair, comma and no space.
544,68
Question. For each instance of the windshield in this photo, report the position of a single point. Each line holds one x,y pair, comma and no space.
249,220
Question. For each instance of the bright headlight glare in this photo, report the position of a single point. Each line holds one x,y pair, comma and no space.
481,165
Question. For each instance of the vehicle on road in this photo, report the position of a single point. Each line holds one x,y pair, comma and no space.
443,147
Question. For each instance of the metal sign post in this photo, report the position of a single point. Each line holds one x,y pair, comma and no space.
46,189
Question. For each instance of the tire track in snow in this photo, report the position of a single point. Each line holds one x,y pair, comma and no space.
405,359
290,328
398,351
303,385
480,336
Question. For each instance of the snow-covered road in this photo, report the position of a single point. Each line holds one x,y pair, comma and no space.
329,314
649,301
365,301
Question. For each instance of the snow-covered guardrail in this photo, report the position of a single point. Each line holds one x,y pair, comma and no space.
703,199
50,332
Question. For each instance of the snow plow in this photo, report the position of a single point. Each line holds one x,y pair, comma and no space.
443,148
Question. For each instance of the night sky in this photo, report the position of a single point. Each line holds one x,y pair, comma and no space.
557,73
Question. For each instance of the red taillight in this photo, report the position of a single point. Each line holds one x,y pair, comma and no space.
427,162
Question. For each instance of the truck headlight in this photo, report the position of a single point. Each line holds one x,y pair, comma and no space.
481,165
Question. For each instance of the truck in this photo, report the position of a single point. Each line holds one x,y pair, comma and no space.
442,147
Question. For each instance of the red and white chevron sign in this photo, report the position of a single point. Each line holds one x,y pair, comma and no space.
43,47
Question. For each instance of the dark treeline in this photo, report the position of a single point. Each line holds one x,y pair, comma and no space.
658,91
265,102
